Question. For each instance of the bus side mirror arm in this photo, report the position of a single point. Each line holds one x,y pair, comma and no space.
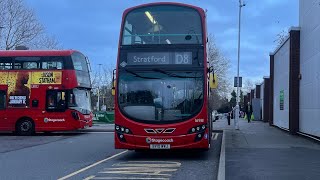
210,69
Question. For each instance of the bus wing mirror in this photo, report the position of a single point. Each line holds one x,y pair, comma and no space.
113,91
213,81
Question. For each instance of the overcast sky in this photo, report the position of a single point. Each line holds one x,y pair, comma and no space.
92,27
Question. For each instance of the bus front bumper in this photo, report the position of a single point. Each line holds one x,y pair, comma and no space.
189,141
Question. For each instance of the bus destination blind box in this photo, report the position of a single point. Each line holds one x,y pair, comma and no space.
159,58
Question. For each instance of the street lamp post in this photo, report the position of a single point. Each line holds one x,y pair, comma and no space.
99,88
241,4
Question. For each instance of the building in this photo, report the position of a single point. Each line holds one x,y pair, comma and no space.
309,107
295,75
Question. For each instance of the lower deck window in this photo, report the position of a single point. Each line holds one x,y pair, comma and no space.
56,100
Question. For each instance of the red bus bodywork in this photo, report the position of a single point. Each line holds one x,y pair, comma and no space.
179,138
43,120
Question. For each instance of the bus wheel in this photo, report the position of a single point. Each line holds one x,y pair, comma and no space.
25,127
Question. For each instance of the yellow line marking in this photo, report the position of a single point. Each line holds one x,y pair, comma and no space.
141,178
135,173
148,165
144,168
92,165
154,162
89,178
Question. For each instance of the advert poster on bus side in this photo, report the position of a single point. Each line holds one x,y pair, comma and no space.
19,84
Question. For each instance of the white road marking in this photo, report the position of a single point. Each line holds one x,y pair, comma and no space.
222,163
92,165
216,136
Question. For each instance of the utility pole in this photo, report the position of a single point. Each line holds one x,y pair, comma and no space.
1,27
236,123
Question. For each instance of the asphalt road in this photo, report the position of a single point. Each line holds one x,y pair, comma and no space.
91,155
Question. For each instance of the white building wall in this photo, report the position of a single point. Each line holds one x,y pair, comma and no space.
309,67
281,82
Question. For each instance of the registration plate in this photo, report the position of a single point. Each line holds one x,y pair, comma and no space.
159,146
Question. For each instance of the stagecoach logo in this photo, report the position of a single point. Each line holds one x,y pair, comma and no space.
46,120
153,140
123,64
148,140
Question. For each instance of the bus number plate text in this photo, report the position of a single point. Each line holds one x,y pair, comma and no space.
159,146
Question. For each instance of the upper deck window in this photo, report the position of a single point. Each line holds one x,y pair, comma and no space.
36,62
5,65
162,24
52,65
79,62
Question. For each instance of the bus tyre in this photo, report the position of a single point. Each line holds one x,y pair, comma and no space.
25,127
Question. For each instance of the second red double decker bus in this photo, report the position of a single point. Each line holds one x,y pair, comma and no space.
162,79
44,91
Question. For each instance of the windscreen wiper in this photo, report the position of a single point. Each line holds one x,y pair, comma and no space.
137,75
173,75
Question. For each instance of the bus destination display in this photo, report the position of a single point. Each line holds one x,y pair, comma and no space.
159,58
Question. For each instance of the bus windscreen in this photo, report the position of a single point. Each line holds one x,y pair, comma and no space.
160,96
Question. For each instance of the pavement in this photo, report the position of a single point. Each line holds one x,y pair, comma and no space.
258,151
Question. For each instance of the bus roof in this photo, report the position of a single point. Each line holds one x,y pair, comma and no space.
11,53
163,3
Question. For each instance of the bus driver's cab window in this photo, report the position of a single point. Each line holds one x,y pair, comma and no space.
56,100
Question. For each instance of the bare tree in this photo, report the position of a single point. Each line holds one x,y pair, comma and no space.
20,26
45,42
247,86
221,66
281,37
102,78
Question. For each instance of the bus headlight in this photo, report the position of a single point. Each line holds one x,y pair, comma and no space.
121,137
75,115
121,131
198,129
117,128
127,131
198,137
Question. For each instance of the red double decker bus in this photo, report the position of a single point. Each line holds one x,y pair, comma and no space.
162,79
44,91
